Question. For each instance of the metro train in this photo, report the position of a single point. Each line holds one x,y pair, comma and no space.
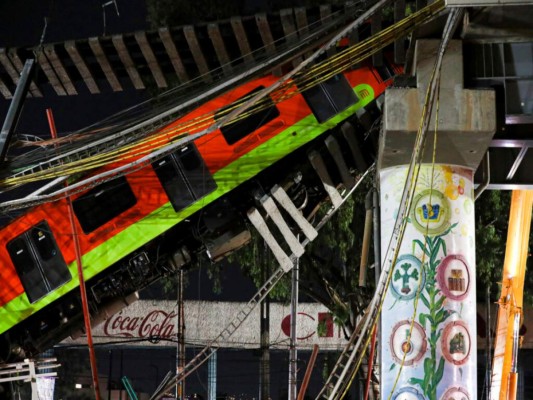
136,228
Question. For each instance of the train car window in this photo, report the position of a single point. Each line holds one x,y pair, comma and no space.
257,116
38,261
103,203
184,176
329,98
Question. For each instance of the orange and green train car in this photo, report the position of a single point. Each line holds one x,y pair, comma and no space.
136,228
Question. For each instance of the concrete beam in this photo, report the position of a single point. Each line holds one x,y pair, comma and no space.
197,54
242,40
8,66
83,69
213,31
325,17
399,45
60,70
466,118
173,54
266,36
50,73
124,55
17,63
151,60
5,90
98,51
289,30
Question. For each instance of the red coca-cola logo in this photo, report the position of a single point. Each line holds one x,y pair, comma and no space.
156,323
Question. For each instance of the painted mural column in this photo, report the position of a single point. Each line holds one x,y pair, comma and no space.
428,321
434,273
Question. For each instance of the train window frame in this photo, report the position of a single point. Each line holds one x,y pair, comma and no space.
257,118
182,184
90,211
42,278
323,98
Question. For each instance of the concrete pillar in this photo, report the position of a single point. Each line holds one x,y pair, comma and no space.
428,321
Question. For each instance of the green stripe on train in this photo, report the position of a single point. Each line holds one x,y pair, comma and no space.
165,217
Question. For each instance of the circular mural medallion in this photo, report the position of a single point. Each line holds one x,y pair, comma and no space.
408,393
455,393
407,277
411,347
431,212
453,277
456,342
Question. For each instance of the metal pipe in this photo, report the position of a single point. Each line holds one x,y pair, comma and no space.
180,386
15,108
488,345
308,371
366,240
370,362
377,234
293,388
83,292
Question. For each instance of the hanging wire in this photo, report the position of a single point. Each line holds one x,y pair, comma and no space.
165,141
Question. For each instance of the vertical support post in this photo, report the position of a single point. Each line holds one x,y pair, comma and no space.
293,371
212,377
365,248
504,365
308,371
83,291
109,374
435,269
264,393
488,346
180,356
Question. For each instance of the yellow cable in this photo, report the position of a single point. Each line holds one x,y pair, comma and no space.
314,75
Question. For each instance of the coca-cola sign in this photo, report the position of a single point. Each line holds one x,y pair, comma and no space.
156,323
154,320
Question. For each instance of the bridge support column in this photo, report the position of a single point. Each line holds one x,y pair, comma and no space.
428,322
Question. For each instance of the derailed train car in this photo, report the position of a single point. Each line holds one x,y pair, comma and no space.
139,227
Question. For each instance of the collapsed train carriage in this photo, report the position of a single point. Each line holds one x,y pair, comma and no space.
137,228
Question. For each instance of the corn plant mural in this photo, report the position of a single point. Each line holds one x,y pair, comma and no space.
429,314
436,313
